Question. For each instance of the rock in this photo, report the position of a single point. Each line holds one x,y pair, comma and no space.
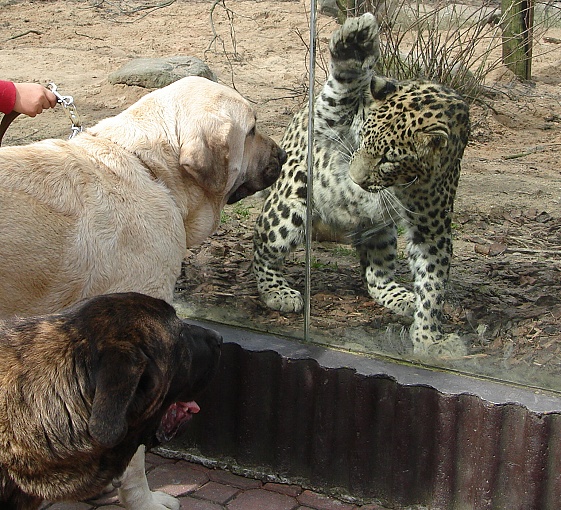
153,73
329,7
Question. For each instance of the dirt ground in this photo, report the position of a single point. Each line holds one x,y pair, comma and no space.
505,290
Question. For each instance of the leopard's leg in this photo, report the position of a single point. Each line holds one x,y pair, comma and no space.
429,258
378,255
280,226
279,229
340,106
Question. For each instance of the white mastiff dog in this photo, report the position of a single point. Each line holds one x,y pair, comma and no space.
114,209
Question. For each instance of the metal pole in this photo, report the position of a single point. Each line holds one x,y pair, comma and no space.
310,167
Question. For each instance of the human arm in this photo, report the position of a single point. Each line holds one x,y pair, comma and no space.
7,96
27,98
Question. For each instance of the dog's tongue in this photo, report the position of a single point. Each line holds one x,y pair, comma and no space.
176,415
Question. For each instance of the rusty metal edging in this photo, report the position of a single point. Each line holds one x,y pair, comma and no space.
378,430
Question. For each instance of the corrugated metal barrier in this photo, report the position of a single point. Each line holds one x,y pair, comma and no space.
397,434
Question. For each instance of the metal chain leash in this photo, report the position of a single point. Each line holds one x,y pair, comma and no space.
70,109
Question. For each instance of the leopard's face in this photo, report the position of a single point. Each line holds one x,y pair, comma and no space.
413,136
379,165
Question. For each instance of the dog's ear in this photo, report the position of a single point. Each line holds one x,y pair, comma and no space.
116,381
205,154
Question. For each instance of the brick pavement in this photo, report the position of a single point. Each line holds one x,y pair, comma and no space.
202,488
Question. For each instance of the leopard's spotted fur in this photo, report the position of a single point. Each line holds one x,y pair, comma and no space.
385,153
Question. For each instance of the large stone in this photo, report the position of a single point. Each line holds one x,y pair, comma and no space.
153,73
329,7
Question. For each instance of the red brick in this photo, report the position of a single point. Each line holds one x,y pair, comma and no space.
198,467
158,460
70,506
176,479
322,502
282,488
228,478
216,492
260,499
189,503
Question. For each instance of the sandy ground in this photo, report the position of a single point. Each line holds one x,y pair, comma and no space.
505,288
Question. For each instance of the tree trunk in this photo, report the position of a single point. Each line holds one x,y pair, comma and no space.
518,21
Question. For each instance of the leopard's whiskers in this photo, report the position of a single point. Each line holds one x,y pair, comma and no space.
402,207
362,236
391,203
410,183
346,147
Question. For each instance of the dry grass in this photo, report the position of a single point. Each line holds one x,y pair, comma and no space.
455,44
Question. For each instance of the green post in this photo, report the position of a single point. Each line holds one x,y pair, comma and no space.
518,22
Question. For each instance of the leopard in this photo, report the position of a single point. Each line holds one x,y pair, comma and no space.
386,155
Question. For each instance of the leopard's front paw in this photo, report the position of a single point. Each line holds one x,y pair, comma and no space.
284,300
393,297
403,305
356,45
440,346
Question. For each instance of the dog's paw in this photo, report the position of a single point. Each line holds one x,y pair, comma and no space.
134,493
143,499
162,501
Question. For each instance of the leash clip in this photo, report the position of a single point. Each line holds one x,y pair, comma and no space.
70,108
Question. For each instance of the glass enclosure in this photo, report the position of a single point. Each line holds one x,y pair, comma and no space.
503,298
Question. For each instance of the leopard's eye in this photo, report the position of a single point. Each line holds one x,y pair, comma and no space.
384,159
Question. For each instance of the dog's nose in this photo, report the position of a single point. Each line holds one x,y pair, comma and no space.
282,156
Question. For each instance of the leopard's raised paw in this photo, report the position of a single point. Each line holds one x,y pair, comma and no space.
356,45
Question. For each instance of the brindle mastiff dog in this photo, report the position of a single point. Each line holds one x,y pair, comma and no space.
82,389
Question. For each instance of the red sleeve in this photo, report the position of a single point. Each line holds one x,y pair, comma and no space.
7,96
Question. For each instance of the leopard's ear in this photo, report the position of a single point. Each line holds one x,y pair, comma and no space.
381,87
430,141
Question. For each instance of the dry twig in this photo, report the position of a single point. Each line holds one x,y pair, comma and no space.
122,7
23,34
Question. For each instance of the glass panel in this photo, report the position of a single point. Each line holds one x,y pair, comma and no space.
217,281
504,294
501,298
499,304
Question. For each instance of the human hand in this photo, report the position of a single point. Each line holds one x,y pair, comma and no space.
32,98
